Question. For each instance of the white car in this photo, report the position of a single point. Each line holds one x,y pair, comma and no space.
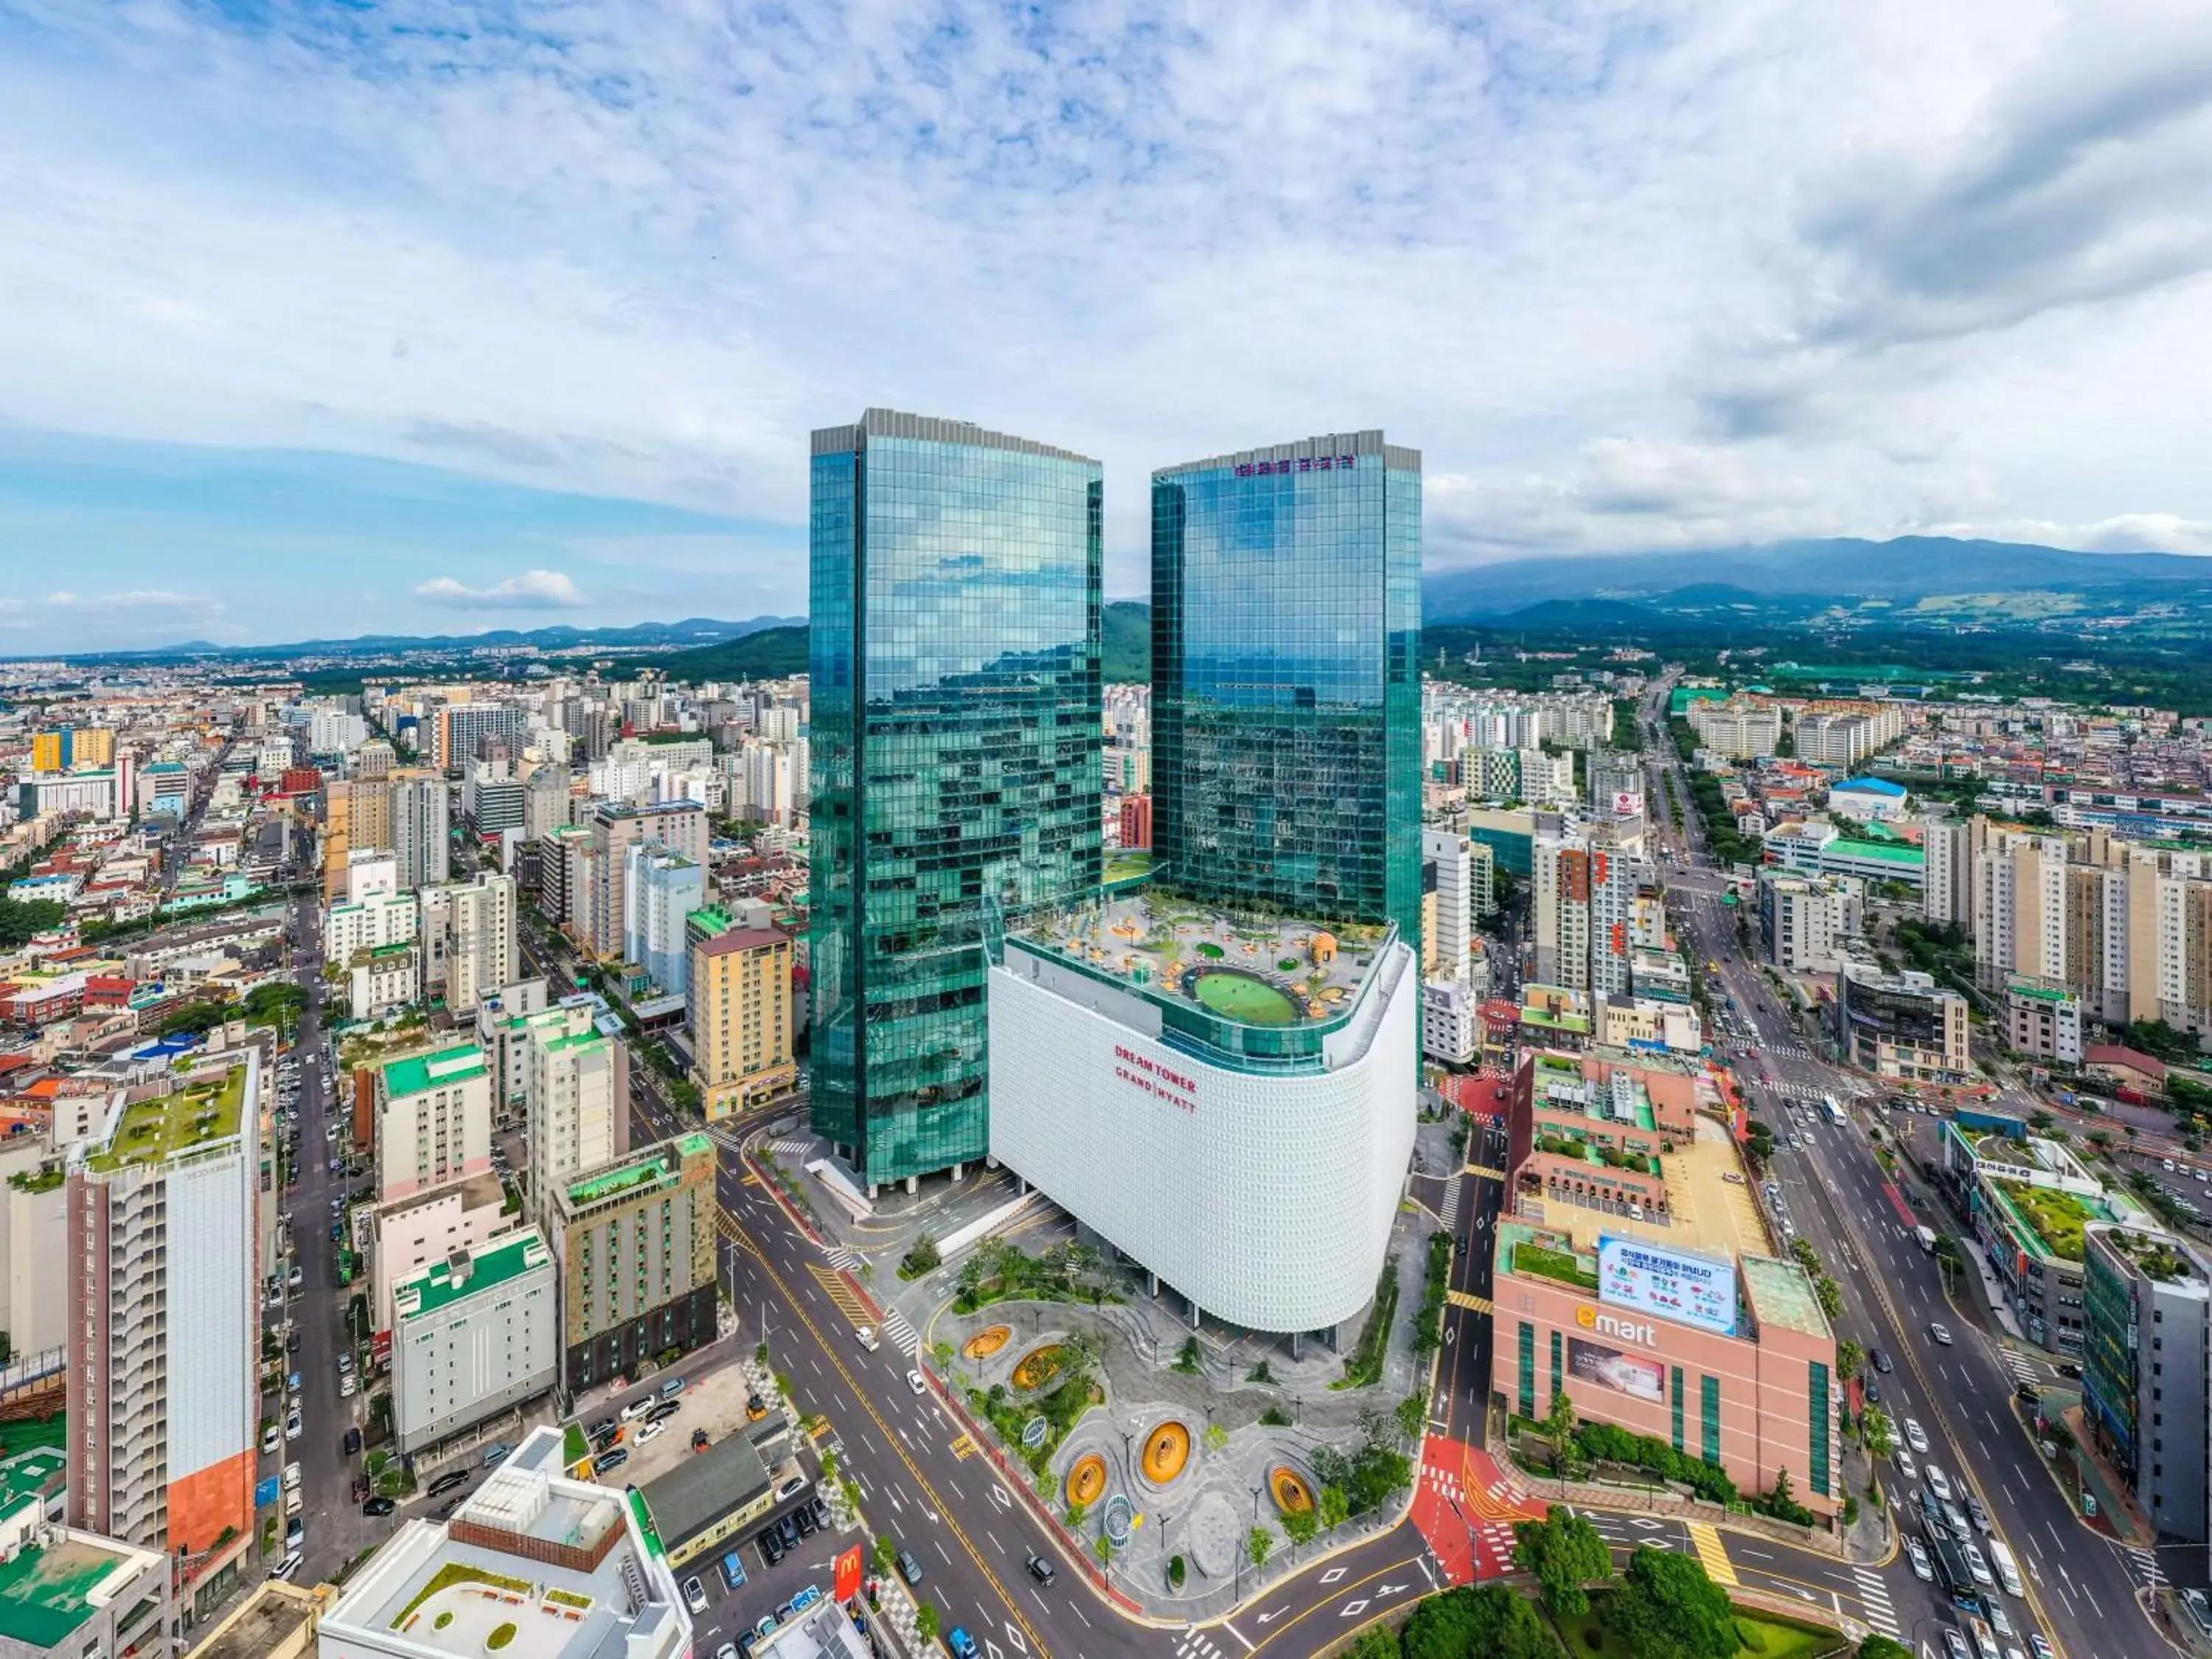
637,1409
1941,1332
914,1381
292,1425
1938,1483
1922,1568
650,1431
1915,1436
346,1387
1905,1466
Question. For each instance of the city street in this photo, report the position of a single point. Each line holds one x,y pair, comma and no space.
2081,1586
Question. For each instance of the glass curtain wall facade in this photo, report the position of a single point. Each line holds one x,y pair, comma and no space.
954,759
1287,743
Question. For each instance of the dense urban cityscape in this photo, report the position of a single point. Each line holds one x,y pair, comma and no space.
1334,1146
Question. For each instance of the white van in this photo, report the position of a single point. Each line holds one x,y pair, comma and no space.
2008,1569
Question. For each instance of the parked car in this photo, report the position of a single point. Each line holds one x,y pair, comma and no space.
695,1595
351,1442
909,1568
613,1459
495,1453
649,1432
674,1386
664,1411
292,1427
379,1506
447,1482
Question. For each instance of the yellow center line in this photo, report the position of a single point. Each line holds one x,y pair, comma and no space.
891,1439
1411,1561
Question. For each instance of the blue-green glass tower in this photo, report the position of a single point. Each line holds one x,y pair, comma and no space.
954,745
1286,700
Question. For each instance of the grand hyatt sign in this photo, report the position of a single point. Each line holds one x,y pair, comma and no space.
1155,1079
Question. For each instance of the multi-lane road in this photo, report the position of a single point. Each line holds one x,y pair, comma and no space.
2081,1586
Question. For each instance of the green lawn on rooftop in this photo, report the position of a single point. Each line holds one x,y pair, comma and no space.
2057,1217
1247,1000
152,1129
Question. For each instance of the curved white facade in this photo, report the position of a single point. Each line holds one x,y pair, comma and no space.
1266,1198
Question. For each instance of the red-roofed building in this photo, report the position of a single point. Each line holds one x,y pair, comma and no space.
2126,1068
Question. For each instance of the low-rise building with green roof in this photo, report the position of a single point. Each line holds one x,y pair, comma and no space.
473,1334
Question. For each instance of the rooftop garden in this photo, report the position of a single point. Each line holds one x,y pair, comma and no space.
2156,1257
2057,1217
152,1130
1563,1266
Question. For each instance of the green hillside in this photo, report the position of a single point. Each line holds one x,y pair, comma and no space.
1126,634
769,655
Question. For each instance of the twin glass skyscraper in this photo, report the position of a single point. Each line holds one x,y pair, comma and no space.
956,726
1286,698
956,738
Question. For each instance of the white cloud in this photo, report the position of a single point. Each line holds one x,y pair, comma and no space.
1630,274
533,590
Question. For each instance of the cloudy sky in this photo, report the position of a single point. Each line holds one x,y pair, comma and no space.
318,318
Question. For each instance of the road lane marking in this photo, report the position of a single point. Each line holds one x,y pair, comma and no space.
1706,1540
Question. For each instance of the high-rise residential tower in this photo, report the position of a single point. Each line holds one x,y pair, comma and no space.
1287,710
954,771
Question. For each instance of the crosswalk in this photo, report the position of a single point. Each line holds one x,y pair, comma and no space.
1874,1599
900,1334
791,1148
1486,1169
1468,1300
1449,1213
840,1256
1705,1539
2023,1369
2142,1563
1197,1644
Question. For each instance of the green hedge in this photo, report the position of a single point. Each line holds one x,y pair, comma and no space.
1602,1442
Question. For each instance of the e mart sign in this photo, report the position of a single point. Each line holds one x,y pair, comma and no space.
1626,1329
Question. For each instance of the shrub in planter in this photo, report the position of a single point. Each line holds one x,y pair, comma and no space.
1174,1572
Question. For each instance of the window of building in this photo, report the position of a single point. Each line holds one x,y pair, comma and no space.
1676,1381
1708,1419
1527,1368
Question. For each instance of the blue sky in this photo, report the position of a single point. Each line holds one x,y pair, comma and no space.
320,317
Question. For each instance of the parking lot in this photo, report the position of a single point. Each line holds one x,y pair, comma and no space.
713,1399
768,1590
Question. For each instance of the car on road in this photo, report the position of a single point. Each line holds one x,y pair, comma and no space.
447,1482
295,1533
1938,1482
346,1387
1040,1569
1915,1436
1980,1514
1941,1333
674,1386
1905,1466
637,1409
495,1453
379,1506
271,1437
695,1595
288,1566
909,1568
728,1651
2037,1645
1880,1361
351,1442
1922,1568
961,1645
1954,1644
914,1381
292,1426
866,1336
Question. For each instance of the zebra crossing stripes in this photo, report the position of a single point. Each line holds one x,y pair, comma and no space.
1449,1214
900,1334
1873,1600
2142,1563
1197,1644
840,1256
1472,1303
2023,1369
791,1148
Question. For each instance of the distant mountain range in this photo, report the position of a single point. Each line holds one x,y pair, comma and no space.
691,631
1907,569
1912,581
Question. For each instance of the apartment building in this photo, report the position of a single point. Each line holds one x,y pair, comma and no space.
660,888
635,1237
472,1336
1806,923
164,1332
420,826
1739,729
433,1114
1901,1026
680,826
737,1007
468,934
576,1099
